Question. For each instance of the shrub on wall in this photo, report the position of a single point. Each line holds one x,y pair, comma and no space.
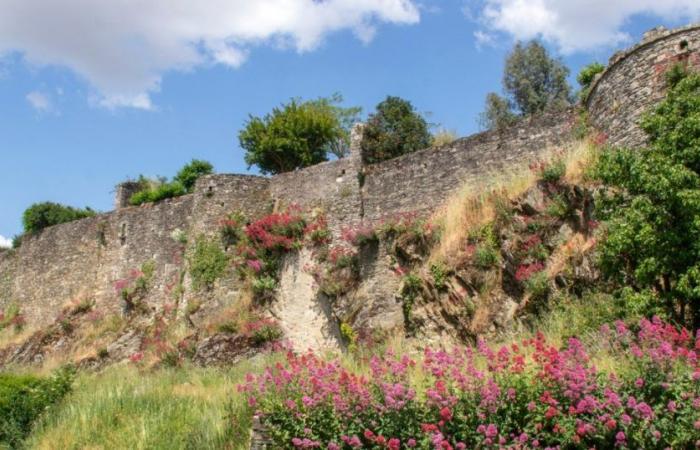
190,173
393,130
207,263
157,189
585,77
45,214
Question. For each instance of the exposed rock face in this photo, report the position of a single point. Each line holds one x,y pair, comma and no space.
304,314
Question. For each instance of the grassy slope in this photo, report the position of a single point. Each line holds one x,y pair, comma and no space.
126,408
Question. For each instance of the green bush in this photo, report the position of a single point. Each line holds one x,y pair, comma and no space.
537,286
485,256
207,263
651,213
156,190
297,135
554,171
24,398
190,173
585,77
439,272
42,215
394,130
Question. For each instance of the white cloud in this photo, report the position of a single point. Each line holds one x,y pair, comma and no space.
40,102
578,25
5,242
122,48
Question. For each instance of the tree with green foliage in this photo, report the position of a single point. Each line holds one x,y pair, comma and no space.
41,215
533,82
296,135
347,118
652,239
394,130
190,173
586,76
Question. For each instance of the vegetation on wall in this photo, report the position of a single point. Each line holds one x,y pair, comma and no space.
394,129
157,189
297,134
41,215
533,82
585,77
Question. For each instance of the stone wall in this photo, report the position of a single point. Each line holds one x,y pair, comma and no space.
83,259
421,181
634,81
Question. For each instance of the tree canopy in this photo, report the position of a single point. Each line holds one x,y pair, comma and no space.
297,134
393,130
45,214
652,239
533,82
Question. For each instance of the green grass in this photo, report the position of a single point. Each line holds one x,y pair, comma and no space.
124,408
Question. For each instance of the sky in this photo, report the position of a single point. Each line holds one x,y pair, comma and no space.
93,93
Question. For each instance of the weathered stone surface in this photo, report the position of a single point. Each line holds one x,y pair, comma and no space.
634,81
222,349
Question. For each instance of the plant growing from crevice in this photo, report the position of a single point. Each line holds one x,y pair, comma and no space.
133,289
410,290
207,263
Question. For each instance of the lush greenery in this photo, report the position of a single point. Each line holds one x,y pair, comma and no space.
154,190
533,82
394,129
24,398
207,262
45,214
190,173
297,134
651,244
586,75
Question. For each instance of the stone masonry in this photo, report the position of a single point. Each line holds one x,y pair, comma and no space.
83,259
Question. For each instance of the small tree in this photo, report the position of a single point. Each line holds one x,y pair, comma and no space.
296,135
188,175
532,81
347,117
41,215
585,77
393,130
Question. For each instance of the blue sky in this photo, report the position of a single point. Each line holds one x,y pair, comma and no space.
91,95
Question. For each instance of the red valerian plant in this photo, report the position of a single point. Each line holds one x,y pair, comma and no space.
525,395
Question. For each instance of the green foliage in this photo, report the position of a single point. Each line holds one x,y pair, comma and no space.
393,130
42,215
652,231
347,118
439,272
532,81
553,171
485,256
188,175
497,114
24,398
675,74
297,135
12,315
349,336
17,240
267,332
586,75
412,285
156,190
264,285
537,286
558,207
207,263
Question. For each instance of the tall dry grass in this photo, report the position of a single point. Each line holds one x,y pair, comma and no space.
476,204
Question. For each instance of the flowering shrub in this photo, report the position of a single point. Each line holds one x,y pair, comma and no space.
359,235
525,271
12,317
262,331
337,271
525,395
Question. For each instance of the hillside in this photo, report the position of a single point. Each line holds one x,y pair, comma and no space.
533,286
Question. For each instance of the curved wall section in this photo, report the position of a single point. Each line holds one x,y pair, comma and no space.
634,82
